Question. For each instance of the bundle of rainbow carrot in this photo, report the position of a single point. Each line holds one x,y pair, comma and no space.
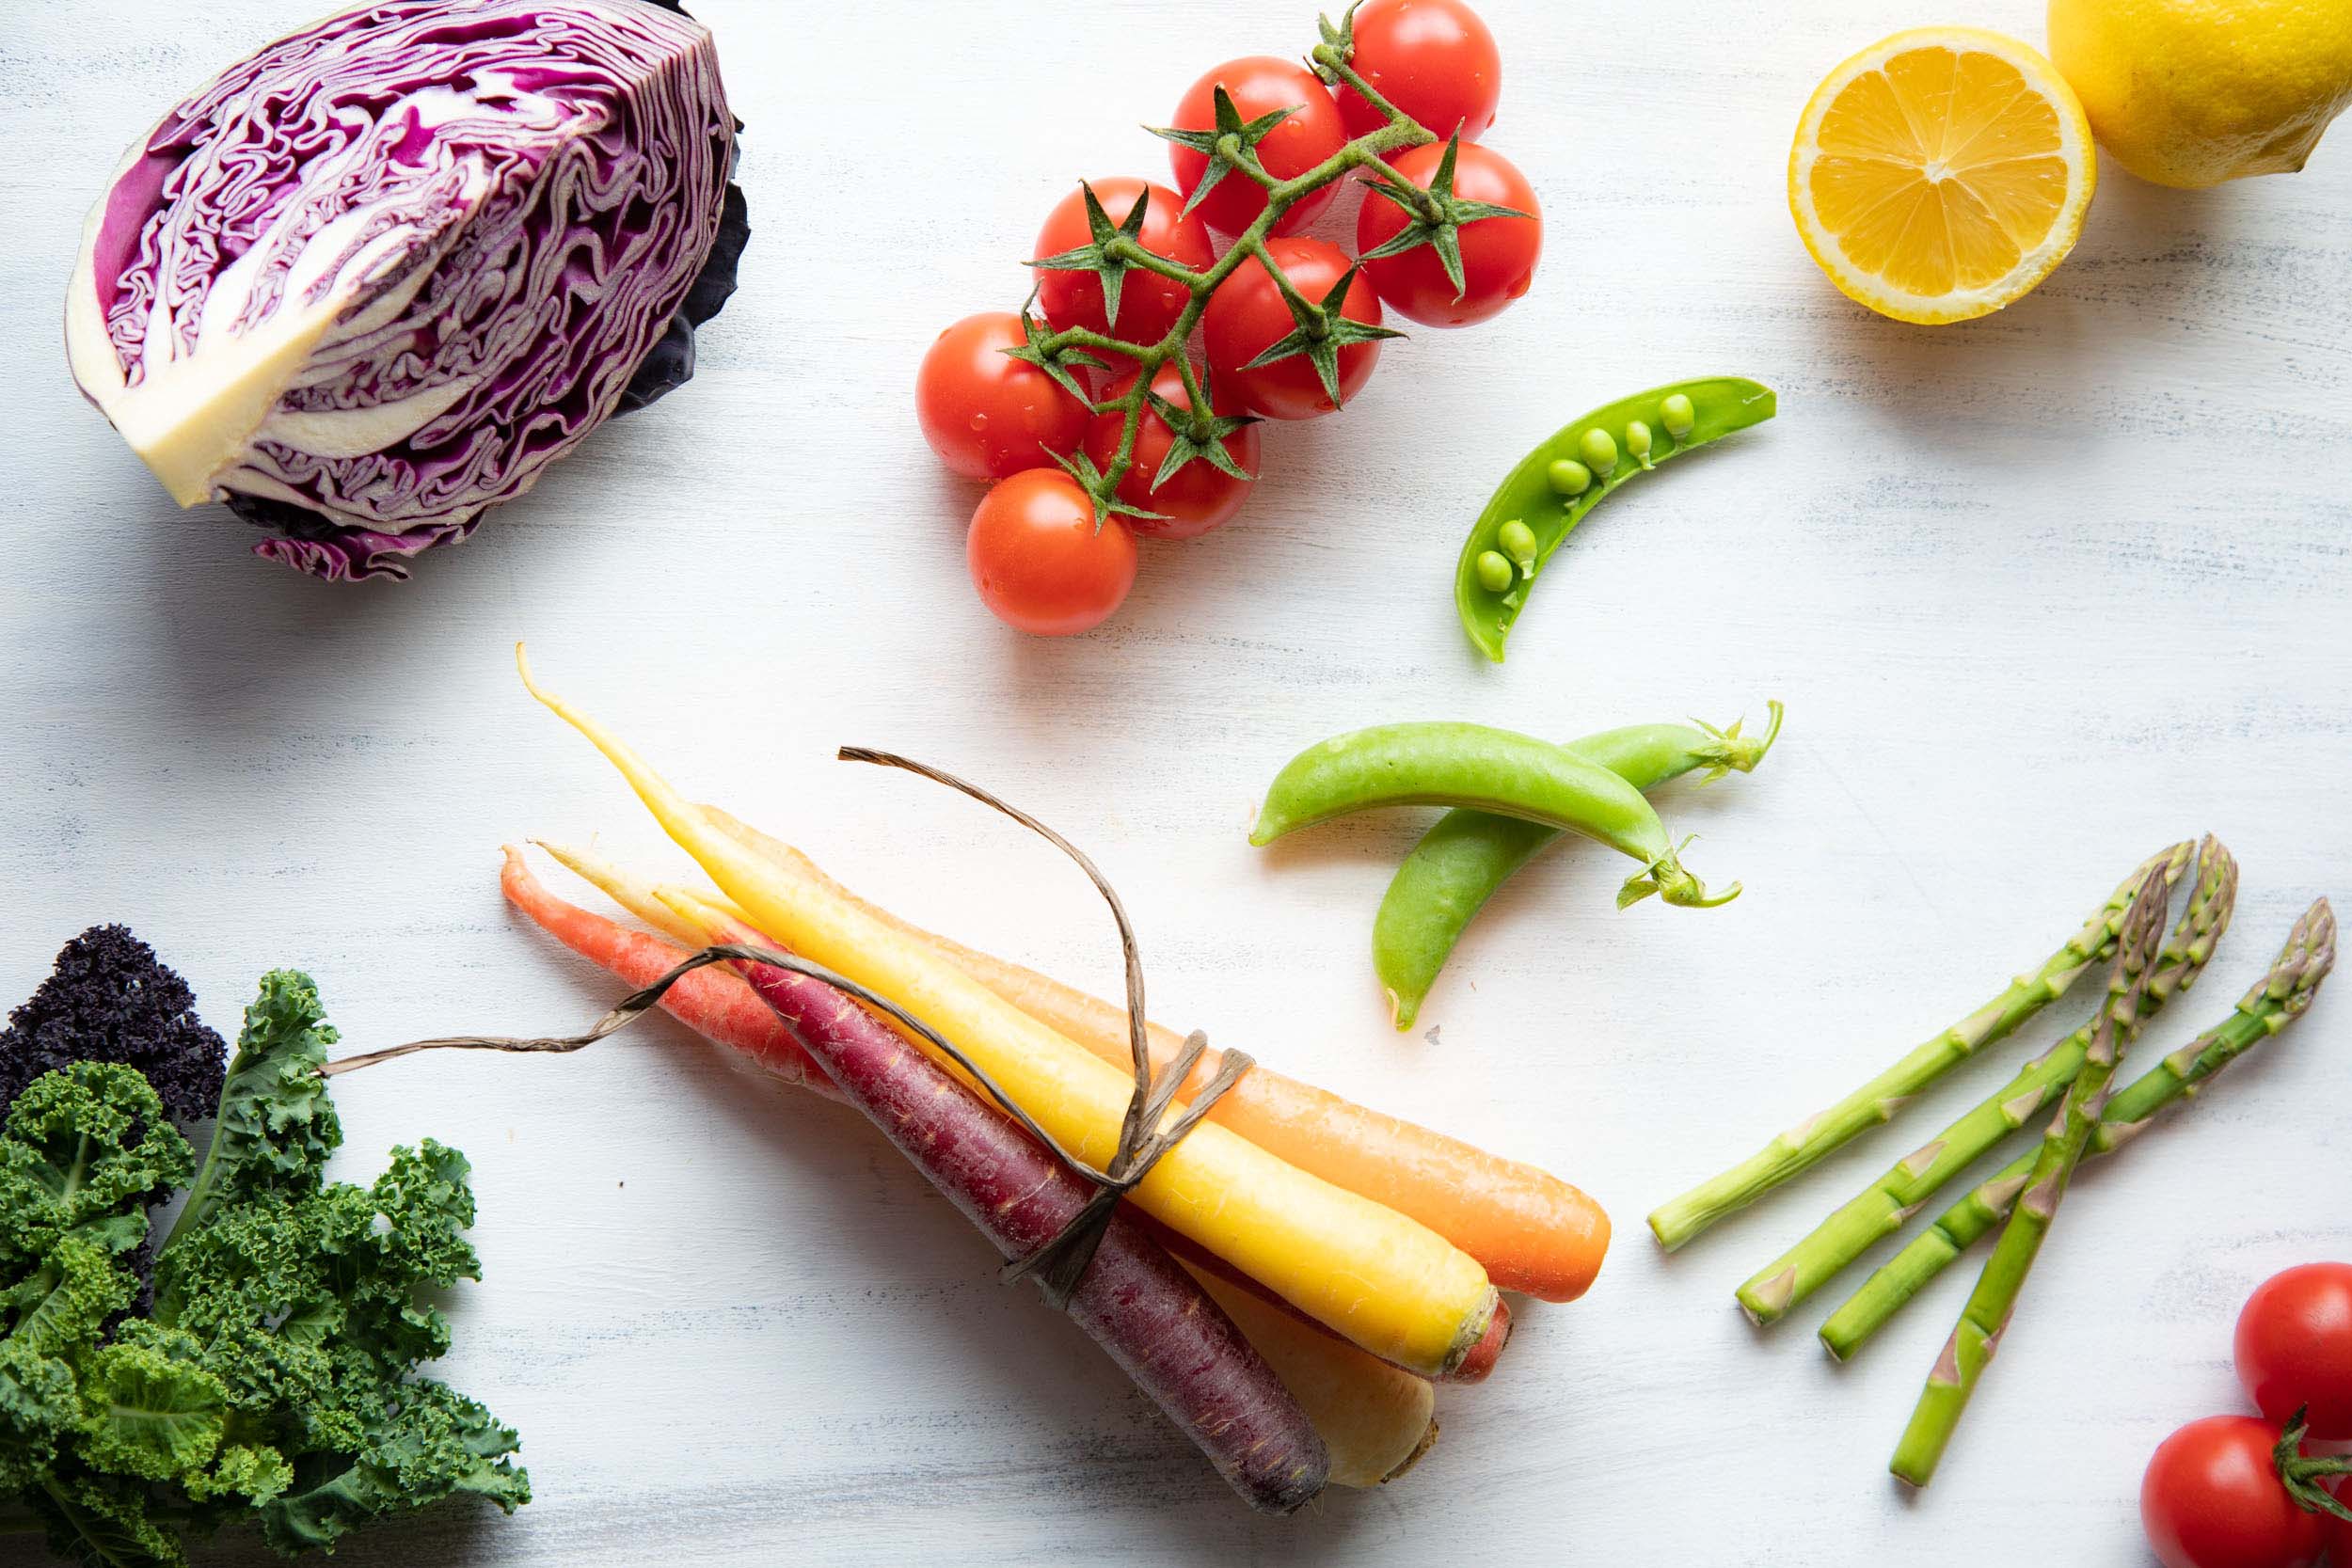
1285,1282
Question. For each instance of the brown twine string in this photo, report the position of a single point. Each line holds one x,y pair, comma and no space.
1060,1263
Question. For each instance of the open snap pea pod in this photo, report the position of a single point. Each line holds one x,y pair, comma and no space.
1467,855
1554,485
1444,764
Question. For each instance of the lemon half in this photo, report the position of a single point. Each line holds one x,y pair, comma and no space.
1940,173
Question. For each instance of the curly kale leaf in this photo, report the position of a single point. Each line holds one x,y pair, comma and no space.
109,999
82,1155
86,1151
304,1297
106,1522
309,1310
426,1443
275,1126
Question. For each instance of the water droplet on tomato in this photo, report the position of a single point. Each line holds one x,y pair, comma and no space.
979,421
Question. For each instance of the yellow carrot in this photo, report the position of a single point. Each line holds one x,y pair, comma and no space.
1528,1230
633,892
1375,1421
1388,1283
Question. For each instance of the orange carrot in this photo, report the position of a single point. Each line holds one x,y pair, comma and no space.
716,1004
1532,1231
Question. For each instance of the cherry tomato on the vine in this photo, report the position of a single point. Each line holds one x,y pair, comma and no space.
2212,1498
1248,315
1198,497
2339,1532
1038,560
1499,254
1148,303
1259,84
1432,58
986,413
2294,1348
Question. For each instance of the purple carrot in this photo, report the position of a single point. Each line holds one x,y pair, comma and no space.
1145,1311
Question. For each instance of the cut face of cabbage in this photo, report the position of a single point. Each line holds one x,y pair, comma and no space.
376,277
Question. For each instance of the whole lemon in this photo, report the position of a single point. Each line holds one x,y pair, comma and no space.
2193,92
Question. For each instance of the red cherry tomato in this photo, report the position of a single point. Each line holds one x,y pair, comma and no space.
2339,1532
1148,303
1248,315
2294,1348
1432,58
1499,255
985,413
1198,497
1040,564
1259,84
2212,1498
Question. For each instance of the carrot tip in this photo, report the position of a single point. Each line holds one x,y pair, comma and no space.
1428,1441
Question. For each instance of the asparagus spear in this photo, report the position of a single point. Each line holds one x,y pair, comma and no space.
1877,1101
1881,1209
1977,1333
2278,999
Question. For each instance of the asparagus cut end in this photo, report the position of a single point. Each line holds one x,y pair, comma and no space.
1767,1301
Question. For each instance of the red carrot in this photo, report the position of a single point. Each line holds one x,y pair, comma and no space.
714,1003
1148,1315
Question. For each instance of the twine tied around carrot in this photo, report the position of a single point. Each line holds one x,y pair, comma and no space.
1143,1141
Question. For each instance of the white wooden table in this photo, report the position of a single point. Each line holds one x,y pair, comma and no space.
2041,593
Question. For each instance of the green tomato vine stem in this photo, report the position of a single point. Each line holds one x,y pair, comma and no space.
1329,60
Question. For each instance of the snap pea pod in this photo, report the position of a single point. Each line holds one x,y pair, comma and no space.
1467,855
1446,763
1557,483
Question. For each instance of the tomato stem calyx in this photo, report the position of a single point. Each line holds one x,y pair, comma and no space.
1037,349
1437,214
2300,1473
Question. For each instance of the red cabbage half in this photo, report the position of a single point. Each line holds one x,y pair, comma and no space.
376,277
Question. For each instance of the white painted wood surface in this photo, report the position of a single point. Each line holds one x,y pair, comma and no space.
2041,593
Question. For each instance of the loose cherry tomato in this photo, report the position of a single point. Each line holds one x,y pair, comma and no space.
2212,1498
1248,315
1038,560
1499,254
1259,84
986,413
1198,497
2294,1348
1432,58
1148,303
